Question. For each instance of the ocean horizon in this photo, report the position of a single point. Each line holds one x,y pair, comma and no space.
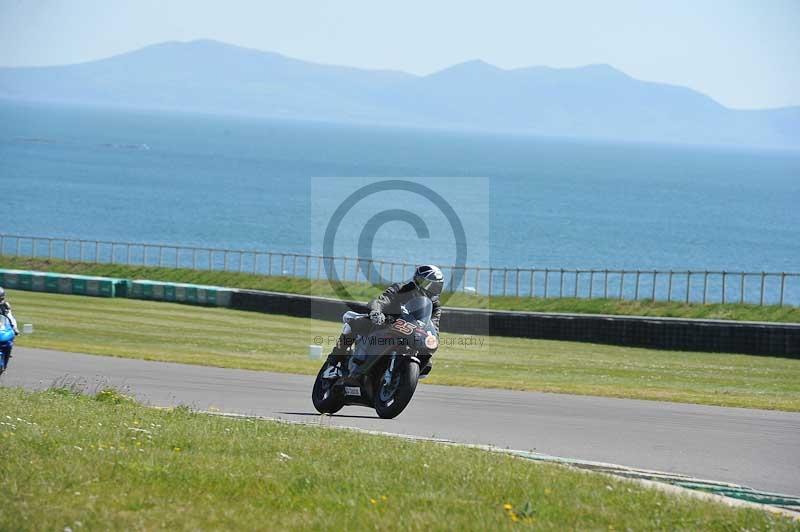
261,184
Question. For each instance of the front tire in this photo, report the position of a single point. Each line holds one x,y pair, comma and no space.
390,405
324,397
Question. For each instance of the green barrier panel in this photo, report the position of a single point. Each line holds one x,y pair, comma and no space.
63,283
111,287
20,280
181,293
50,283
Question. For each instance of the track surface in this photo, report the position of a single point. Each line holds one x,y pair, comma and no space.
757,448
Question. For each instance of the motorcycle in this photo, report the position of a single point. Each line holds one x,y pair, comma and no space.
7,336
384,366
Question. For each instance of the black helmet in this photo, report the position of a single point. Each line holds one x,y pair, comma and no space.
429,279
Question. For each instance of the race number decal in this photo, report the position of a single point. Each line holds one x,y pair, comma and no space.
403,326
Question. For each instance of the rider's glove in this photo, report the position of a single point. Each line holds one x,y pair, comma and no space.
377,317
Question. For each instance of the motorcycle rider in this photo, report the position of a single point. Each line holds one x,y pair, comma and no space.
5,310
428,281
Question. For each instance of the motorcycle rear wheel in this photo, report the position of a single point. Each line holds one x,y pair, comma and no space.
325,400
408,374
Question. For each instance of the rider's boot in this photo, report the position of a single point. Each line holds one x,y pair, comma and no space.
338,356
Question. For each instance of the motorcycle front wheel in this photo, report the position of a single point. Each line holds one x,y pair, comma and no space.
325,400
393,397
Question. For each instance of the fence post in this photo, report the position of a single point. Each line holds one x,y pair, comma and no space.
576,283
533,278
516,283
546,280
783,282
294,265
741,287
344,270
621,283
255,262
669,287
761,298
477,279
505,279
561,283
705,286
636,290
283,264
96,252
491,274
210,259
724,284
591,283
112,253
688,284
653,292
127,254
320,260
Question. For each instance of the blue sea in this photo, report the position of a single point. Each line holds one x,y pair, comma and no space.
257,184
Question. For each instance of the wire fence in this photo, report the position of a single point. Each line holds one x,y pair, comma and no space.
688,286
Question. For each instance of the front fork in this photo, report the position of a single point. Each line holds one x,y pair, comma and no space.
387,375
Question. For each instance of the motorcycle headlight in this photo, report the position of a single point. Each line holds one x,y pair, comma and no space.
431,342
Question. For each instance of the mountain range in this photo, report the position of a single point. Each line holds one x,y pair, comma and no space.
594,101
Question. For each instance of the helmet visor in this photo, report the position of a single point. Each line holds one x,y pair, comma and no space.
430,286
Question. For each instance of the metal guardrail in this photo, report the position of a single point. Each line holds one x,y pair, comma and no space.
688,286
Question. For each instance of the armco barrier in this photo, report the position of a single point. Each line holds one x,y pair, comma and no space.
181,293
773,339
321,308
58,283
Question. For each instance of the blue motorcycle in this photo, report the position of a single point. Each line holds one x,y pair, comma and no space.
7,336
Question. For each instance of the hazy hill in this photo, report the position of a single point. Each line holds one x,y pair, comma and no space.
590,101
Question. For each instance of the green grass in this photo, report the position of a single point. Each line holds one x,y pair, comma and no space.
238,339
106,463
363,292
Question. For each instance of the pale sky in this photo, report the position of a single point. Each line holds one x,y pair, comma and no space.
744,54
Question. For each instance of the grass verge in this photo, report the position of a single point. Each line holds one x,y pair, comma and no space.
236,339
296,285
79,462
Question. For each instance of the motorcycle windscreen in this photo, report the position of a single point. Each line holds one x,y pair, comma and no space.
419,309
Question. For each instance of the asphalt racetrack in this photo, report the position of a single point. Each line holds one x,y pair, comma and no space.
757,448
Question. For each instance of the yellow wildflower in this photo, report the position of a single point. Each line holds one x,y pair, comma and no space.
507,506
